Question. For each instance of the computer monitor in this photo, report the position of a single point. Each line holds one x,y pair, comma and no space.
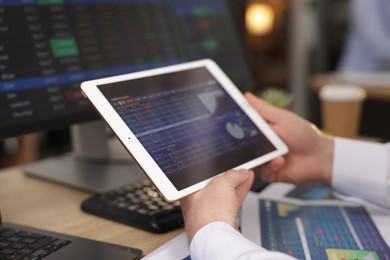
47,47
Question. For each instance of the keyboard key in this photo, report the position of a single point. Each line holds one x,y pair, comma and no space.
21,245
43,242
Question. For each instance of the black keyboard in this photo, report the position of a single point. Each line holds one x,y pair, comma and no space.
138,204
23,245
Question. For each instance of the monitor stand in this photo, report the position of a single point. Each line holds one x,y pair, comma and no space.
98,163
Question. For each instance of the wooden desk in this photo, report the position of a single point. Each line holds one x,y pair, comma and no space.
28,201
374,91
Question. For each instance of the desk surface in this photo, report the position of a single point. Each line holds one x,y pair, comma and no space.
374,91
32,202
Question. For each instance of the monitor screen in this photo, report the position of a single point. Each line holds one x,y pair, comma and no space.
47,47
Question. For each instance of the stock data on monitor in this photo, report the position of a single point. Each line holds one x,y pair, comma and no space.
48,47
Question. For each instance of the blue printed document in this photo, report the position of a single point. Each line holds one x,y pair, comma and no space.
315,229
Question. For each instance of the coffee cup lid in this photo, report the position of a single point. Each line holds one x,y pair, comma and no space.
342,93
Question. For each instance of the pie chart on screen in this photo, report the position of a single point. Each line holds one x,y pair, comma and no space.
235,130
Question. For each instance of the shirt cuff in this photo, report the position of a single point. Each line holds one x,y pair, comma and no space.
360,169
219,239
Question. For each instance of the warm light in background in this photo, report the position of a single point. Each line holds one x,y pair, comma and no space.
259,19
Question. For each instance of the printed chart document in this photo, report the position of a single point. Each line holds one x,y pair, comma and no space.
310,223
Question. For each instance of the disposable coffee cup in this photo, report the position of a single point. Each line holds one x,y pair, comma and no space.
341,106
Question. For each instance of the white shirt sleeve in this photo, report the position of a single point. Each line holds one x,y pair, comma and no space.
218,240
362,169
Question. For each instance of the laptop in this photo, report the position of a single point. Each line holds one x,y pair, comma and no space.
22,242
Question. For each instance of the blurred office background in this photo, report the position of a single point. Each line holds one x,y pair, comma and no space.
287,43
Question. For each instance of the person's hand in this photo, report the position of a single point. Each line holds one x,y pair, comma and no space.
220,200
310,156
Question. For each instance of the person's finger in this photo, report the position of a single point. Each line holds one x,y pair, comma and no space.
266,110
277,163
264,173
236,178
243,190
267,174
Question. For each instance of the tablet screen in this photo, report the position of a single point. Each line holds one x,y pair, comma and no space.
188,123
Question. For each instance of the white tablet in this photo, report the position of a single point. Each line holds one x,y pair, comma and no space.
183,124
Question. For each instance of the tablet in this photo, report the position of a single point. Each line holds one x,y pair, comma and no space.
183,124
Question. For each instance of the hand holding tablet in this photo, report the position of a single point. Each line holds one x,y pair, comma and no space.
183,124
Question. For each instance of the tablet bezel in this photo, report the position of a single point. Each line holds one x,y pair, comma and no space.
91,91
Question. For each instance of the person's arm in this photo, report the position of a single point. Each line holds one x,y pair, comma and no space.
210,217
352,167
218,240
362,169
366,45
370,20
210,214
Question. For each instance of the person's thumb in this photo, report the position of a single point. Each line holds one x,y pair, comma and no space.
236,178
267,111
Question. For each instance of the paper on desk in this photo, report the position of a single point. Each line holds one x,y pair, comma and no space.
176,248
275,195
